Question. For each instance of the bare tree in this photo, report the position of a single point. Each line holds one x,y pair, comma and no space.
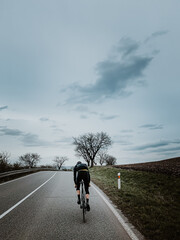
30,159
89,144
110,160
4,161
17,165
59,161
102,157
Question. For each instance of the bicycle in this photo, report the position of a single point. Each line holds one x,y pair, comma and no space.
83,199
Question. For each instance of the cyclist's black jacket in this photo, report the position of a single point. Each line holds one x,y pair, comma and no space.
78,168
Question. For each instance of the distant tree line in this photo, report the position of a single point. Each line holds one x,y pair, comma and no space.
104,158
91,147
28,160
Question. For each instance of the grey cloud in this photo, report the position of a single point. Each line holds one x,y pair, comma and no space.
152,145
32,140
159,33
115,76
65,140
169,149
122,140
86,113
56,128
8,131
155,34
3,107
177,141
155,145
94,113
152,126
81,108
110,117
127,46
127,131
27,139
102,116
53,126
167,152
43,119
83,117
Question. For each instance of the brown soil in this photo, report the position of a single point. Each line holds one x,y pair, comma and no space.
169,166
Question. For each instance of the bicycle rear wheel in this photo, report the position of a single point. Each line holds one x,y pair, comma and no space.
84,213
83,202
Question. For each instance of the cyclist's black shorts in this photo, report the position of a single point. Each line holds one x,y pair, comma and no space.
86,177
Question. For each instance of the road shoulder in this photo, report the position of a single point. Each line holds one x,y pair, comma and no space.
133,233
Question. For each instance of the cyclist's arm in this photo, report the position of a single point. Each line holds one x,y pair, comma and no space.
74,171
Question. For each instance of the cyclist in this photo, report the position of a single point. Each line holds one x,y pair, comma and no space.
81,172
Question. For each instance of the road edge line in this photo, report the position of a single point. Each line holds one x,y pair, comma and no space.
22,200
120,219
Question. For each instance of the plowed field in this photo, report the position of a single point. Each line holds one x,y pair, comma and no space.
169,166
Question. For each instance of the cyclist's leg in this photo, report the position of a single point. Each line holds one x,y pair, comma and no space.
86,184
78,179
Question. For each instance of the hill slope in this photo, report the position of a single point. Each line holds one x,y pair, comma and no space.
169,166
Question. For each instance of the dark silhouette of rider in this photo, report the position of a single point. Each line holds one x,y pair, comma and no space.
81,172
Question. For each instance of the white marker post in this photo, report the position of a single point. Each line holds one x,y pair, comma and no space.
119,181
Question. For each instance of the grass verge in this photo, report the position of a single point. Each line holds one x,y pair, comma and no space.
150,201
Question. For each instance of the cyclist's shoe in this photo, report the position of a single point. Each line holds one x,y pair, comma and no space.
78,201
87,207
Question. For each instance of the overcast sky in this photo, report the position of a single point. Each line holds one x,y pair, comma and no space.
73,67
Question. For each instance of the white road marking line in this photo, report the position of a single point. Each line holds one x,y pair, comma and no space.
18,178
17,204
120,219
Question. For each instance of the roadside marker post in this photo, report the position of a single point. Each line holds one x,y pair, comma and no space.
119,181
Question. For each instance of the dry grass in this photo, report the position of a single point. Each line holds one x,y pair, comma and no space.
151,201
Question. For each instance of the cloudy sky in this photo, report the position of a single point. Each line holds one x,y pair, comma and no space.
72,67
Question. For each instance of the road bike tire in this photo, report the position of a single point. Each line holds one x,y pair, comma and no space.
83,202
84,213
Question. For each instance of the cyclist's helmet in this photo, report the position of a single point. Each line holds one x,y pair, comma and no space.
79,162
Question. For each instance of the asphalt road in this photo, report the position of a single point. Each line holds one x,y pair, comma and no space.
48,210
